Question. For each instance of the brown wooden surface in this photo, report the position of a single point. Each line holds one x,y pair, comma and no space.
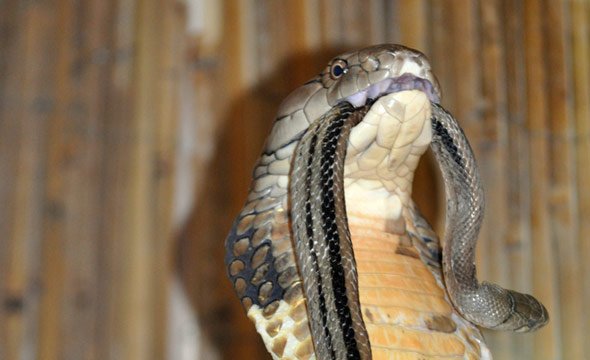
89,103
87,146
580,47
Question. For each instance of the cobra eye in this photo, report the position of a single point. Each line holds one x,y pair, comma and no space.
339,68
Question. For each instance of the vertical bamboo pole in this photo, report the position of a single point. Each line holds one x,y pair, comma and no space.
519,239
79,156
115,326
440,40
12,45
54,265
144,247
391,31
562,176
25,113
331,26
412,29
580,38
8,146
465,76
304,56
312,23
492,161
171,68
117,141
355,20
544,269
379,21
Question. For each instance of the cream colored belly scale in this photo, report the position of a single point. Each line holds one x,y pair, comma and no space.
404,306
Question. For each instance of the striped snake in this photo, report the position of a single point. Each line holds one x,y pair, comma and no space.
330,257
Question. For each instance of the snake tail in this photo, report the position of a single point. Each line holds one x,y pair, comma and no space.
484,304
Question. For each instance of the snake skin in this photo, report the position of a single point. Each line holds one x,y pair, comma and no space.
485,304
323,242
274,275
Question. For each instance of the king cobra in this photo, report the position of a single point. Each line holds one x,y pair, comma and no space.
331,258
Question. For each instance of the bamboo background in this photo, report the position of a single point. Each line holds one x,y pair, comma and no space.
128,130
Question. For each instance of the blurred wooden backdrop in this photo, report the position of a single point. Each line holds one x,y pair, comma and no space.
128,130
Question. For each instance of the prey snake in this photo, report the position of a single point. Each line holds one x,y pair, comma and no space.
332,189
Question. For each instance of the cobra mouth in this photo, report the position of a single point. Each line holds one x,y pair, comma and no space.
394,131
407,81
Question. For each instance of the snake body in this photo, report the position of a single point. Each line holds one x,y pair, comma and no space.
485,304
330,257
320,228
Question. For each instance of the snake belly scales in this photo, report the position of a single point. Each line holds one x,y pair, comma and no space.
330,257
